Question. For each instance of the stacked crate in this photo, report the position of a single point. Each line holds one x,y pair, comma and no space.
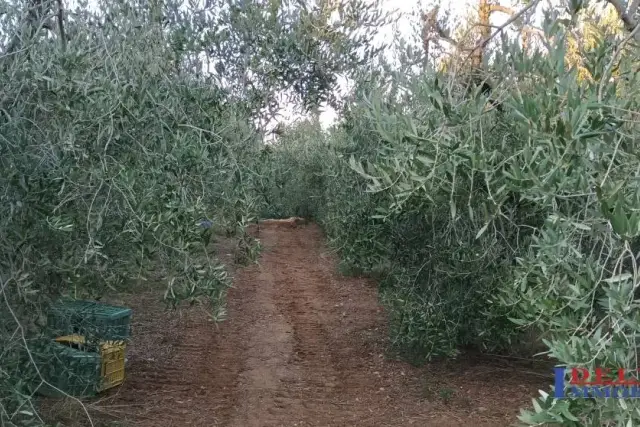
87,355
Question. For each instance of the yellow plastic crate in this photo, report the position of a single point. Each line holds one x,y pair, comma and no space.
111,360
112,369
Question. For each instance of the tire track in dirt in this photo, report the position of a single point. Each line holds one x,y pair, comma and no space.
295,384
301,346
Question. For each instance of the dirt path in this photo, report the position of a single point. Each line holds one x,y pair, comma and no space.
302,346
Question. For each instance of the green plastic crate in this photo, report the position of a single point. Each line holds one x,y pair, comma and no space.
71,371
96,321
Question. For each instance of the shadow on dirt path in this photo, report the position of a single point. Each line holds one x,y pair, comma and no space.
302,346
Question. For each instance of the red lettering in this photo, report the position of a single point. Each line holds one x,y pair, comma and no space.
603,376
579,380
627,380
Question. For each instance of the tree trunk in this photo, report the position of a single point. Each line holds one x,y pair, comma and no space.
484,21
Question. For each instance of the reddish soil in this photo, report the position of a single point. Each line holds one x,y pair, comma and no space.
301,346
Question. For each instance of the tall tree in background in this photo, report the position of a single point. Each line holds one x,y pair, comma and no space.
629,13
595,23
470,41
